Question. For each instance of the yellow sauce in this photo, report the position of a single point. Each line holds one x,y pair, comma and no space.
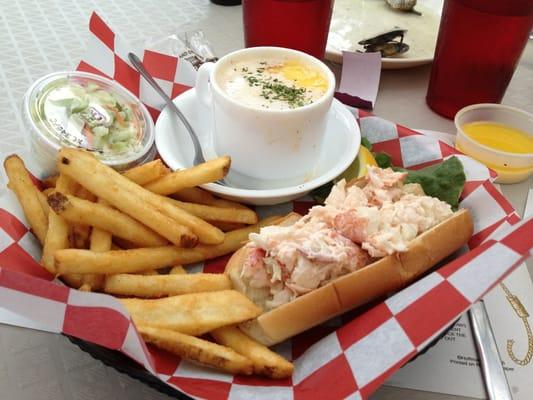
302,75
499,137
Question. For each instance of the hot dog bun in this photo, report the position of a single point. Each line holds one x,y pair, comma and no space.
375,280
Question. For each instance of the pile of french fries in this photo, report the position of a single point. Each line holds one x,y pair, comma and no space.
130,234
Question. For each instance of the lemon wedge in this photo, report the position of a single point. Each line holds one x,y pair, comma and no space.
359,166
365,158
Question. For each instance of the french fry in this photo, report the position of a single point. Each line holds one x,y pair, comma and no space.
57,236
195,195
79,233
48,191
139,260
44,205
71,188
200,196
27,195
197,350
100,240
227,226
104,183
88,205
85,287
84,194
117,261
78,211
244,216
122,244
177,269
204,232
73,280
148,172
209,171
92,282
79,236
50,182
164,285
223,203
193,313
265,361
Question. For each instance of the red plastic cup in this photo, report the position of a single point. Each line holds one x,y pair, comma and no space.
295,24
478,48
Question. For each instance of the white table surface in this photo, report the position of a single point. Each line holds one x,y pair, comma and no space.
42,36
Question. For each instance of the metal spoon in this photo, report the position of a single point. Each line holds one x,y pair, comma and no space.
198,155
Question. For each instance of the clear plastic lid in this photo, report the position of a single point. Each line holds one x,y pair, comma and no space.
80,109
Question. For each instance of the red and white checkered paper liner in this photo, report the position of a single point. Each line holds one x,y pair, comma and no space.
348,357
107,55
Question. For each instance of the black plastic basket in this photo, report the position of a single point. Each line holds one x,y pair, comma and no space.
126,365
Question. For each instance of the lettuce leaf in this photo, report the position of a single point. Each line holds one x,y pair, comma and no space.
383,160
444,181
366,143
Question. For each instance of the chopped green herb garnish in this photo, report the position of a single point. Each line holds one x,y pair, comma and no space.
292,95
273,89
252,80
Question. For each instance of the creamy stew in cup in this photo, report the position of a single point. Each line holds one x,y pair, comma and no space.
269,109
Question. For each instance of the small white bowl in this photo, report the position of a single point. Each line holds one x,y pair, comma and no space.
510,167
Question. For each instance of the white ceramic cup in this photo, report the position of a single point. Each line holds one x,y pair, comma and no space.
264,143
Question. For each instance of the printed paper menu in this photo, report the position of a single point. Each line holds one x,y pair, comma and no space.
451,366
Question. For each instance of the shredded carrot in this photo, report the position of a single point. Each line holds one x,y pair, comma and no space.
89,135
119,118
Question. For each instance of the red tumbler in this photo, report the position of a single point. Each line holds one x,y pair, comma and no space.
296,24
478,48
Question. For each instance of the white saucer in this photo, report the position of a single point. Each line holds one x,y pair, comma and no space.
341,145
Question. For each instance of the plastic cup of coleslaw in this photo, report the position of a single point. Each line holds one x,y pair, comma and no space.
84,110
